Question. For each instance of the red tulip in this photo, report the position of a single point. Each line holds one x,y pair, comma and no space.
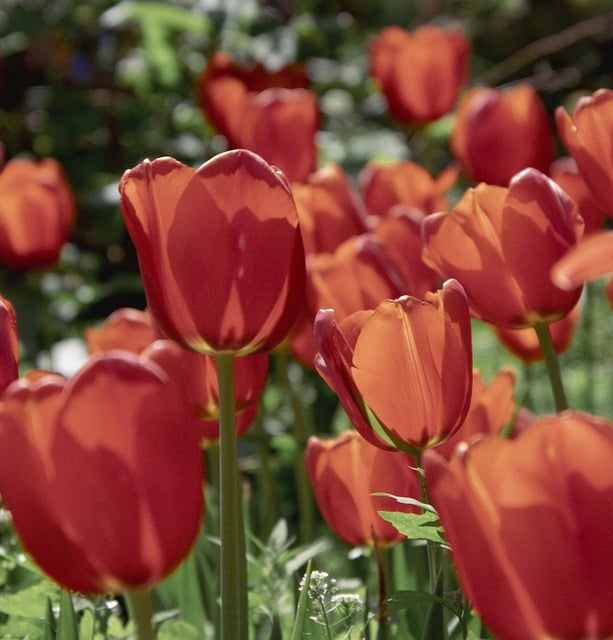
345,472
588,135
329,209
9,344
524,343
405,183
409,362
499,132
219,248
421,72
37,213
104,495
592,258
126,328
530,525
501,245
491,409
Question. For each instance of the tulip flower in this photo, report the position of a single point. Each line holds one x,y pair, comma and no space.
530,525
345,472
566,173
421,72
37,213
408,362
501,244
592,258
219,249
356,276
524,343
224,85
106,496
9,344
491,409
272,114
329,209
132,330
404,183
499,132
587,135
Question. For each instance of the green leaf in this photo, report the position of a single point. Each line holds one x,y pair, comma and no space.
303,605
410,599
67,623
178,630
50,622
416,526
30,602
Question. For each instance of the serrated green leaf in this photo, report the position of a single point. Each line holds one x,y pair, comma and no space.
30,602
416,526
178,630
67,622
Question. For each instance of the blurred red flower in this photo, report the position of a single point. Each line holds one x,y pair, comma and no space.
37,213
9,344
219,249
106,496
501,244
408,362
345,471
420,72
499,132
530,525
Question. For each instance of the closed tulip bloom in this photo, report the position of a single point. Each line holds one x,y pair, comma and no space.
404,183
409,361
499,132
105,496
501,244
530,525
126,328
420,73
491,409
329,209
345,472
37,213
9,344
219,249
588,136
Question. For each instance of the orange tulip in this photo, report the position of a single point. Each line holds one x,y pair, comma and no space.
566,173
37,213
421,72
524,343
133,330
9,344
345,471
402,244
104,495
125,328
530,525
491,409
224,85
409,362
588,136
329,209
501,245
219,249
356,276
406,183
499,132
592,258
272,114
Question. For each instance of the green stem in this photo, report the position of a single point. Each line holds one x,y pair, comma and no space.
141,611
383,629
553,365
430,546
233,563
588,346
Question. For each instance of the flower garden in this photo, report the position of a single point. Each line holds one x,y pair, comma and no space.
305,320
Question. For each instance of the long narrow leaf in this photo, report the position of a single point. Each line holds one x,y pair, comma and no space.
303,605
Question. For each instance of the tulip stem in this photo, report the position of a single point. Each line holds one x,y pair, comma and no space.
233,563
553,365
383,629
140,606
430,547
